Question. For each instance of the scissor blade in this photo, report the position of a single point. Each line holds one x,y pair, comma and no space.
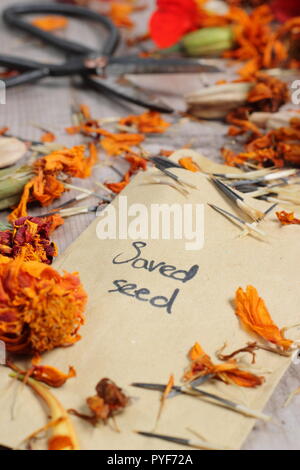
149,65
201,380
176,390
158,387
177,440
126,91
165,162
2,447
217,398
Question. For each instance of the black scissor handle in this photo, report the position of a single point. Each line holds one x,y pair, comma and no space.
74,65
12,17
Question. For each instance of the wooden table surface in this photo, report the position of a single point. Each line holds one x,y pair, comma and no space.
48,104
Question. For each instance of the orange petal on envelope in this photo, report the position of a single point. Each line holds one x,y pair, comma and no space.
189,164
52,376
228,372
287,218
253,313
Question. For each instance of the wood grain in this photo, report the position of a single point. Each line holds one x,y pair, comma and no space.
48,104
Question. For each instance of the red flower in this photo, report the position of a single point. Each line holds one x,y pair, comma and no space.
285,9
171,20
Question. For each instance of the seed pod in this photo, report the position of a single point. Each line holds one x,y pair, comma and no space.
12,183
273,120
208,41
11,150
216,101
204,42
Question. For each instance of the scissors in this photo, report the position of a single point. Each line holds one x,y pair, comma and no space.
98,68
194,391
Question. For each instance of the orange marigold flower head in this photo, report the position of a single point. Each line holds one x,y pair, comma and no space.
39,308
29,239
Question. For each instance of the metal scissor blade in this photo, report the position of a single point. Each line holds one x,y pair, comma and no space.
148,386
149,65
158,387
165,162
270,208
226,190
127,92
164,437
201,380
176,390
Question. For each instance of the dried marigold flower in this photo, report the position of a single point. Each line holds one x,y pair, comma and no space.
268,94
110,399
228,372
113,144
72,162
287,218
254,315
136,162
116,144
278,147
46,374
44,187
257,42
149,122
51,375
118,187
39,309
29,239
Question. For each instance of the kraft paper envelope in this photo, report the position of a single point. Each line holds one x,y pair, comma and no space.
129,340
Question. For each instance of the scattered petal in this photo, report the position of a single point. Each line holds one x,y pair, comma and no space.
51,23
253,313
11,151
228,372
287,218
